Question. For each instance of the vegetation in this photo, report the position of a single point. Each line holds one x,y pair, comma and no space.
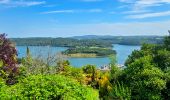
8,61
145,77
49,87
77,48
89,41
125,40
146,72
89,52
63,42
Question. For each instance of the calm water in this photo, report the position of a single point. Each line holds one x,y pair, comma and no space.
122,53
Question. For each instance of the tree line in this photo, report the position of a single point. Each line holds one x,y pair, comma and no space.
63,42
89,42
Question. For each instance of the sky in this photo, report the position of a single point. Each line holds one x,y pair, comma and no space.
65,18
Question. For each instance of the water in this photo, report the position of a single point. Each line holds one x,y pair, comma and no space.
122,53
39,50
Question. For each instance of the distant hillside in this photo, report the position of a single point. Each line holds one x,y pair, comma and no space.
124,40
110,36
91,37
63,42
89,41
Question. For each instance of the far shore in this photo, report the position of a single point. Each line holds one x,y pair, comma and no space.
84,55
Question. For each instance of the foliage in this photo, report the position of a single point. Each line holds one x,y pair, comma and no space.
120,92
147,72
162,59
91,75
51,87
64,42
144,79
40,64
89,69
104,85
34,66
159,54
108,88
146,49
84,50
28,55
62,65
113,60
166,92
75,73
115,71
167,42
8,69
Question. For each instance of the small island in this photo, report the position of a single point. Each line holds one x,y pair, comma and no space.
83,52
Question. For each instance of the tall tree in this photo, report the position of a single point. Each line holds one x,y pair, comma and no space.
144,79
167,42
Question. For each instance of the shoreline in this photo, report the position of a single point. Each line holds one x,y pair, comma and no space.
84,55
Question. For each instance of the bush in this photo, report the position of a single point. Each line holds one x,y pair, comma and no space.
8,69
51,87
144,79
120,92
89,69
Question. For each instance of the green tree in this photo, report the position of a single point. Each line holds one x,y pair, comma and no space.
144,79
28,51
89,69
115,71
162,59
166,92
167,42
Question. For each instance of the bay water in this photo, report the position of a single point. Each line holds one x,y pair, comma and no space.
122,54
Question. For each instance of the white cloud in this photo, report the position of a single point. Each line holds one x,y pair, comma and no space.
142,4
148,15
91,0
136,11
143,8
21,3
73,11
30,3
58,11
126,1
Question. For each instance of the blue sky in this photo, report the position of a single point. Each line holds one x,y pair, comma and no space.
64,18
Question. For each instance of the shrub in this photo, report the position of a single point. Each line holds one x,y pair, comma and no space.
89,69
48,87
74,73
8,59
144,79
120,92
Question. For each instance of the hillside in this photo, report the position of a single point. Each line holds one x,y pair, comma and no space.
89,40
